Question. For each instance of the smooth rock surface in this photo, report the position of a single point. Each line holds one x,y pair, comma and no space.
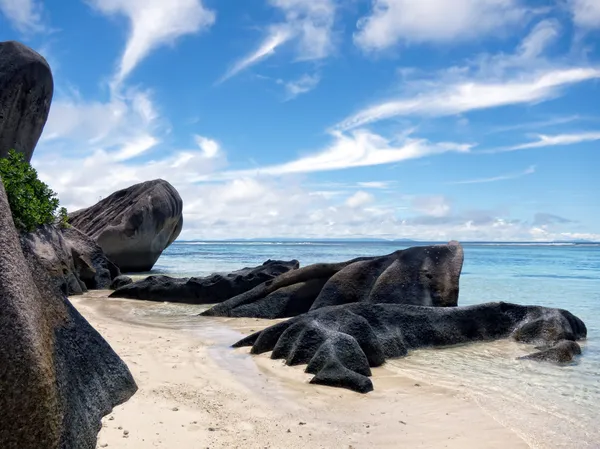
73,260
204,290
120,281
58,375
421,275
134,225
340,344
26,89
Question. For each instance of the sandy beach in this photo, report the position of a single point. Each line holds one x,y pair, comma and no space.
196,392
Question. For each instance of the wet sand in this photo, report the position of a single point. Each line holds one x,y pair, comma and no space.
196,392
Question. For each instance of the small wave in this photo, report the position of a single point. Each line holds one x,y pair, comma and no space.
193,243
556,276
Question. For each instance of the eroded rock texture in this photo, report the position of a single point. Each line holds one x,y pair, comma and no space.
26,89
58,376
422,275
204,290
340,344
73,260
134,225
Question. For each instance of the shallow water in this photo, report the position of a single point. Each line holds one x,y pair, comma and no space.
548,405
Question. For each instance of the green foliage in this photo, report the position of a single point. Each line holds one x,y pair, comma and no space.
31,201
63,218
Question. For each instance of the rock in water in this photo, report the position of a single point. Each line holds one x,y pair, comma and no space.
422,275
73,260
562,352
204,290
134,225
26,89
120,281
340,344
58,375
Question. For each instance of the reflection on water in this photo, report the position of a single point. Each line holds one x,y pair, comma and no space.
548,405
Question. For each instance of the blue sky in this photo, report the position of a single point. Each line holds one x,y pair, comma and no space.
470,119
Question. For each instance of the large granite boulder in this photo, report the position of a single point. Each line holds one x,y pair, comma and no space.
73,260
204,290
58,375
134,225
26,89
340,344
422,275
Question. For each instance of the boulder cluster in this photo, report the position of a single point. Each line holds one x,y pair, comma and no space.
59,377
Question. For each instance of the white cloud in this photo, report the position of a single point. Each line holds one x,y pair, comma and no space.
393,21
24,15
586,13
124,126
154,23
550,141
209,147
467,96
302,85
312,22
309,23
360,148
528,171
433,206
376,184
360,199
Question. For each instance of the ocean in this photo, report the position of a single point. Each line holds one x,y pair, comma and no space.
547,405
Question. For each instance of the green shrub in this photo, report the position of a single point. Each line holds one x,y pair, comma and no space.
31,201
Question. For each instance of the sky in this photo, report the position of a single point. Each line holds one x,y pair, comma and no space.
430,119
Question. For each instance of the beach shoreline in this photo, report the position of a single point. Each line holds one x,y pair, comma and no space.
196,392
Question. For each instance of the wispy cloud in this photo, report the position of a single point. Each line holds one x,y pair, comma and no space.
410,21
300,86
309,23
505,177
376,184
154,23
277,36
360,148
550,141
545,219
24,15
124,127
468,96
537,124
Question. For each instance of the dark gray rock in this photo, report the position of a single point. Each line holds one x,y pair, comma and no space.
204,290
562,352
74,262
422,275
93,266
120,281
26,89
58,375
134,225
340,344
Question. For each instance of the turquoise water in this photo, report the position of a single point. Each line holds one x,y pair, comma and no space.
548,405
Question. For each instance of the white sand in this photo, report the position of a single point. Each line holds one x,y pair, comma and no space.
196,392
